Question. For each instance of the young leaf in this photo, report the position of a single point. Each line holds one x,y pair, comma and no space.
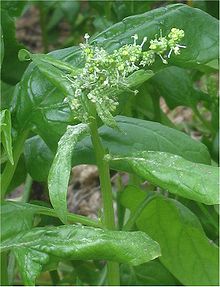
78,243
5,128
194,181
186,251
60,170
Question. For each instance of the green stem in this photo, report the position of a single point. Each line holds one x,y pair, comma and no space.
43,28
9,168
72,218
106,190
27,188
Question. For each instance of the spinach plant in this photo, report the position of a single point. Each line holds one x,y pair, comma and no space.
80,105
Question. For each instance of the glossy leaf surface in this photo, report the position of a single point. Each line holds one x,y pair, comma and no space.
38,158
176,87
34,248
186,251
44,102
12,68
136,135
201,31
141,135
59,174
5,127
194,181
152,273
15,218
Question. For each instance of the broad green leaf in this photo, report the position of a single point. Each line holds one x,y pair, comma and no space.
176,86
15,218
40,103
12,68
194,181
6,96
19,175
135,135
43,105
14,8
78,243
18,216
59,174
139,135
5,128
186,251
38,158
132,196
201,32
152,273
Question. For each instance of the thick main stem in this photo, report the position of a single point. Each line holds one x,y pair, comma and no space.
106,190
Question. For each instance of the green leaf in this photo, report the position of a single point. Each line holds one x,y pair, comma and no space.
19,175
26,211
186,251
14,8
132,196
152,273
148,135
15,218
37,155
201,32
6,96
2,46
12,68
33,249
59,174
176,86
136,135
194,181
43,104
39,98
5,128
140,135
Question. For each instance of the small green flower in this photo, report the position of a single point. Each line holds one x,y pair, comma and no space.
103,71
174,37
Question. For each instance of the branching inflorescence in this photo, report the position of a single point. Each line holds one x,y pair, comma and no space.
103,70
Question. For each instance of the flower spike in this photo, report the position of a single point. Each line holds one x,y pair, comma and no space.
104,73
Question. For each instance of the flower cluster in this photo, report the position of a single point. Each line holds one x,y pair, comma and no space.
103,71
171,42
